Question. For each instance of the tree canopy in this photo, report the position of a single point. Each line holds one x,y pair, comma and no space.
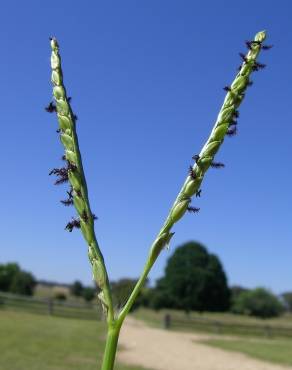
194,280
287,297
15,280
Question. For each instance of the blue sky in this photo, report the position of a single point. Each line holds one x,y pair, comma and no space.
146,79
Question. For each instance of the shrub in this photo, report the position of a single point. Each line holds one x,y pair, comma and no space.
88,294
287,298
258,302
122,289
76,289
60,296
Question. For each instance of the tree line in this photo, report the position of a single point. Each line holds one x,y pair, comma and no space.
194,280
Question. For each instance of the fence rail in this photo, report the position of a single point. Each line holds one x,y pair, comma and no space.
49,306
222,327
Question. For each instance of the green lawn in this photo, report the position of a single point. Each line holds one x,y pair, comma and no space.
35,342
272,350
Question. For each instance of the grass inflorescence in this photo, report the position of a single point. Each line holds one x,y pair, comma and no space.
226,124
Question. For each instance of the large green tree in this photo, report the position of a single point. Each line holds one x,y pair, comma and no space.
15,280
194,280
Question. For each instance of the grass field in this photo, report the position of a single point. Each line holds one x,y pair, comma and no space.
35,342
275,350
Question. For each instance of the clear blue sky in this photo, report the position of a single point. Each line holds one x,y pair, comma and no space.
146,79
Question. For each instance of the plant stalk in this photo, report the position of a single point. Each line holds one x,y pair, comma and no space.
110,348
225,124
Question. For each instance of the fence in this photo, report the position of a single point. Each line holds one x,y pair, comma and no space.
50,307
223,327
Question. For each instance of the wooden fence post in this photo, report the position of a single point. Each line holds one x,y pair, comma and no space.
50,307
167,321
268,331
217,327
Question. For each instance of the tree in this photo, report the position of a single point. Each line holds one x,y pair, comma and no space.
15,280
194,280
7,272
23,283
287,298
88,294
76,289
235,292
258,302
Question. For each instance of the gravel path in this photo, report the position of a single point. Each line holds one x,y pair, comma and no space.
159,349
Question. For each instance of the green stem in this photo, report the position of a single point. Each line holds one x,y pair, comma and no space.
136,290
110,348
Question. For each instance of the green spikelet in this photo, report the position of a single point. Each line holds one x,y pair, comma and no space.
233,99
76,176
161,242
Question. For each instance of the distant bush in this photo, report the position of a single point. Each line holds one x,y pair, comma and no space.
76,289
258,302
121,290
60,296
15,280
287,298
88,294
235,292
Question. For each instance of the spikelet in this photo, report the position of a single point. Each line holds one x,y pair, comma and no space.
224,125
74,173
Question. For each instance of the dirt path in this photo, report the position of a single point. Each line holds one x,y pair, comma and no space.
163,350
